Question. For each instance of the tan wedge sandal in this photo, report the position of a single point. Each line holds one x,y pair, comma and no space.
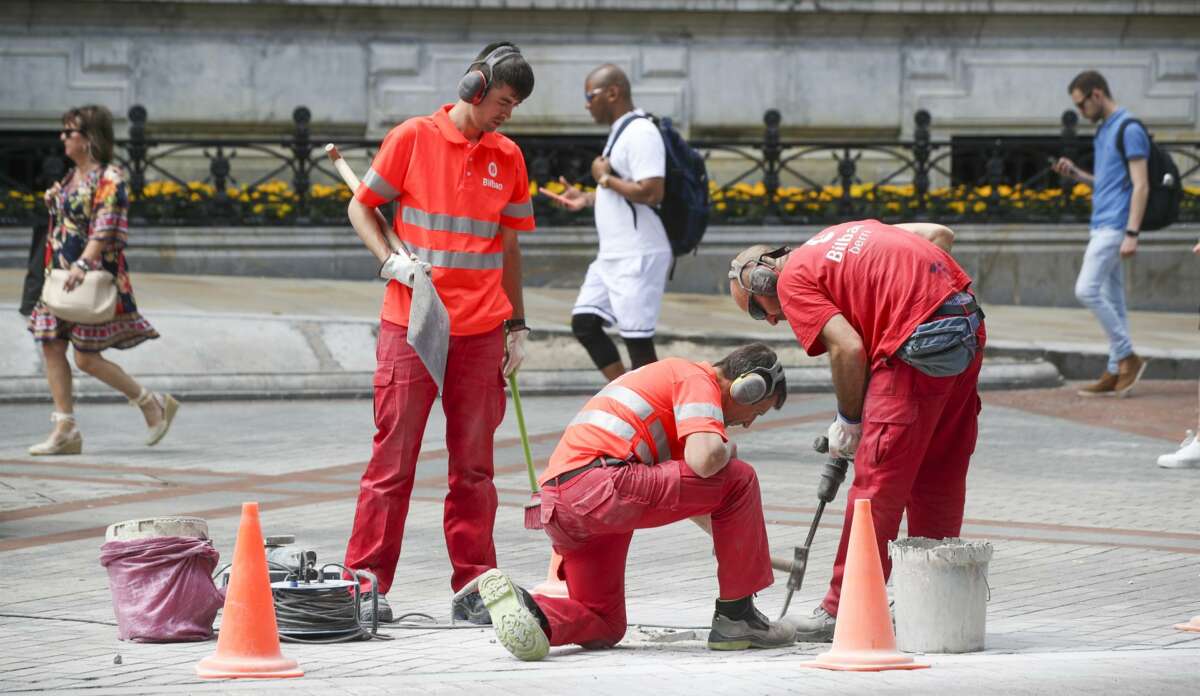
168,405
60,442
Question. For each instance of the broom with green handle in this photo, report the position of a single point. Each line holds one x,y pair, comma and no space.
533,509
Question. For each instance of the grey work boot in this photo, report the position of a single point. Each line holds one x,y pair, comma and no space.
520,625
471,608
747,629
817,628
365,610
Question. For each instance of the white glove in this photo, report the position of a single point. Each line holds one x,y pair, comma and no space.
843,438
403,268
514,350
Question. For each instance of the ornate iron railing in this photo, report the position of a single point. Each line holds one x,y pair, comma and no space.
287,180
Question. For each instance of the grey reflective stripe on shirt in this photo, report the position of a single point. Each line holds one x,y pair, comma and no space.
605,421
380,185
699,409
629,399
518,210
440,222
459,259
661,446
642,450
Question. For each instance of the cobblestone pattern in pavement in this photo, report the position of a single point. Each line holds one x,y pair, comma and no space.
1096,554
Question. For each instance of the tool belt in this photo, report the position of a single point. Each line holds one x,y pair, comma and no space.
597,463
945,344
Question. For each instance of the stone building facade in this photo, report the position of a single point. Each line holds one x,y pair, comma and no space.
834,68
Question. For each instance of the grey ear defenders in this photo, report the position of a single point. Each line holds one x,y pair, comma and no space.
762,278
757,384
474,86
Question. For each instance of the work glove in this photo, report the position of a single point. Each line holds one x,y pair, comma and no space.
844,435
514,349
403,268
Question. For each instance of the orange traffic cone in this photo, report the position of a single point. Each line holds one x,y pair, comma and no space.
1193,625
555,585
862,639
248,644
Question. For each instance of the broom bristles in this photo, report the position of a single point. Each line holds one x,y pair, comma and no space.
533,513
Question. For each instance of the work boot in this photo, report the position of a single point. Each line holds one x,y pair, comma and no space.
471,608
520,625
817,628
1188,456
1105,386
737,625
1129,371
365,610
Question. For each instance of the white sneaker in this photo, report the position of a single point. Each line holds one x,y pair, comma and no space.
1188,456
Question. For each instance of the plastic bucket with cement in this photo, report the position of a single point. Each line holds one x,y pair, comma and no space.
941,593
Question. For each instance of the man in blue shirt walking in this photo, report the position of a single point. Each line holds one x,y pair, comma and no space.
1120,187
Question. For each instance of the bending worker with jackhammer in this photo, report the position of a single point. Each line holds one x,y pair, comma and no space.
905,340
649,449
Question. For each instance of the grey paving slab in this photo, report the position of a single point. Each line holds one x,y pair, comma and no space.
1083,597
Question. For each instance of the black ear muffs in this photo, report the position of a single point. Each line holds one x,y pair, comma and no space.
752,387
474,85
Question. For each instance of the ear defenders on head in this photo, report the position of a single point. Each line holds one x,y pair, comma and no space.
474,86
757,384
762,277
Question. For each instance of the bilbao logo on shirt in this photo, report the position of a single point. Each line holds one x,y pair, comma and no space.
851,241
490,180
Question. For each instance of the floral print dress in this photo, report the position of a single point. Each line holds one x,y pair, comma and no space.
92,206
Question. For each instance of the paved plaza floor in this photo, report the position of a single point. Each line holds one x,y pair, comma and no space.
1097,552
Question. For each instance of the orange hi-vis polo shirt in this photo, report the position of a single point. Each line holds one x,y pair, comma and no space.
643,416
452,197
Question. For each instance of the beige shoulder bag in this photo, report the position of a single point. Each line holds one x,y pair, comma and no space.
94,301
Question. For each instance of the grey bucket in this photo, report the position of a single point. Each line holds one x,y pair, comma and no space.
941,593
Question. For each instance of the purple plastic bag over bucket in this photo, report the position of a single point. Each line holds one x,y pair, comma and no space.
162,588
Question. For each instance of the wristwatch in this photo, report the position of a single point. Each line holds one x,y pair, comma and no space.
515,325
83,265
602,182
1132,233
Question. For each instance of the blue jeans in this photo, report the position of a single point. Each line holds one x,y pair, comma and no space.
1101,288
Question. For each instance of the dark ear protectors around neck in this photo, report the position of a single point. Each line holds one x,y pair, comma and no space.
762,277
474,86
757,384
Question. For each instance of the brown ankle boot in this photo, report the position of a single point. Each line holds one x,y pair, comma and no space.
1129,371
1105,386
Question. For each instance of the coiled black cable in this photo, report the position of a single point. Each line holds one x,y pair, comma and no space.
329,612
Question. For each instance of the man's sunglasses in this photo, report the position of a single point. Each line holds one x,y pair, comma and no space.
589,96
70,131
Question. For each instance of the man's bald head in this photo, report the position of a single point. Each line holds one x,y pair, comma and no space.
609,75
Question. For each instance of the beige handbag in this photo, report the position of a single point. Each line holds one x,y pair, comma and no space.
94,301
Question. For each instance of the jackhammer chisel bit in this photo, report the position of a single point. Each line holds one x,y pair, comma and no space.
831,479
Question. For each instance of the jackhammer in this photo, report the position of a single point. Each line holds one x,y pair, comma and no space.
831,479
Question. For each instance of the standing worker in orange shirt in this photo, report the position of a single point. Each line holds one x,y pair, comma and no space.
462,195
650,449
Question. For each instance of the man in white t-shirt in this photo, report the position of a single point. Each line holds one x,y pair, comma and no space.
624,285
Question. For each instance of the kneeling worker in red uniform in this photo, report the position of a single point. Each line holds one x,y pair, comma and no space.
905,340
651,449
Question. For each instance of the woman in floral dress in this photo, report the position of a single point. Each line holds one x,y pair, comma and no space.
88,230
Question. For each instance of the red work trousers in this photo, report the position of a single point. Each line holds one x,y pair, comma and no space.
918,436
591,519
473,401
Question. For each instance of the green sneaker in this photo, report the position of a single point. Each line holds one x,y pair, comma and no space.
518,627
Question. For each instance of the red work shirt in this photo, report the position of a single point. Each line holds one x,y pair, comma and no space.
453,196
884,280
644,415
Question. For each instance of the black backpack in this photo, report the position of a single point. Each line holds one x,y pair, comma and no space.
1166,188
684,207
